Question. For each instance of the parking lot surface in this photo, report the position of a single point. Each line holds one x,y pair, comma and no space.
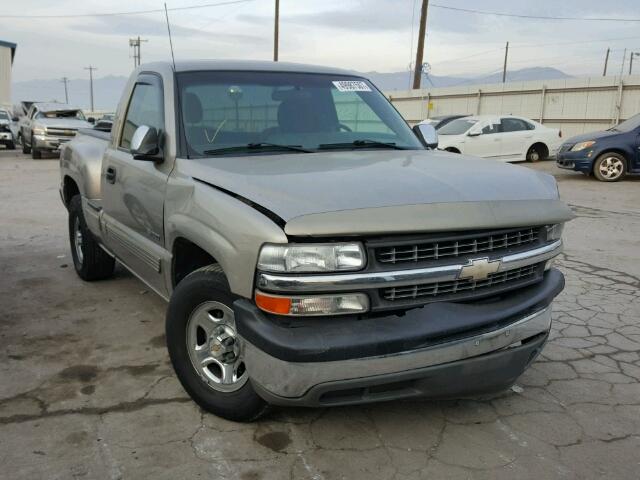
87,391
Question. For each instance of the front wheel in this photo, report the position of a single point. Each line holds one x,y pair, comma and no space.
35,153
205,349
90,261
26,149
610,167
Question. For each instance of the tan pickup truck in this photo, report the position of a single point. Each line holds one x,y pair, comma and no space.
314,250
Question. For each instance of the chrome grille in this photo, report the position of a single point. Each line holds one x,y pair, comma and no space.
61,132
451,248
459,287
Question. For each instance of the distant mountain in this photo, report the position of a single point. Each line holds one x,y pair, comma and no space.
107,90
402,80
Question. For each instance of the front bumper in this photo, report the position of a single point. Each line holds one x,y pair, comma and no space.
581,161
48,142
6,137
440,350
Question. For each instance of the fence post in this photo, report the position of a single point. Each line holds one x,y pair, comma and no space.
542,99
478,106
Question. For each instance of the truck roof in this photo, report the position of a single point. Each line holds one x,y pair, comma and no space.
55,107
248,65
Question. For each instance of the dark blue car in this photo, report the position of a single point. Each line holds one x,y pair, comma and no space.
609,155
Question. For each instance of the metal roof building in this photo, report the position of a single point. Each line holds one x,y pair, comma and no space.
7,52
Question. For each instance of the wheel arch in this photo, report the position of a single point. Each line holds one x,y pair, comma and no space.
452,150
187,257
540,144
70,189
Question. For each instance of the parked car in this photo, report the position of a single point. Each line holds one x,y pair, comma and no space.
506,137
6,134
105,123
441,120
312,250
49,125
609,154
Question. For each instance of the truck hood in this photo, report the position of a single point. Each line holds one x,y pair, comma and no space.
374,191
70,123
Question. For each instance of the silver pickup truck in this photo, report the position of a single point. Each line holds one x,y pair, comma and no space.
314,250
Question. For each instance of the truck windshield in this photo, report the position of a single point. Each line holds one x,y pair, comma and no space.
243,113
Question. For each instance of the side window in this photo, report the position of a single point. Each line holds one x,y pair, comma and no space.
491,128
145,108
514,125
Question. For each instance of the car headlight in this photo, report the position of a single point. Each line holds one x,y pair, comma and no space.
582,145
39,131
312,257
554,232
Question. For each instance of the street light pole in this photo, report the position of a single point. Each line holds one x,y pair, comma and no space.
91,69
276,31
504,68
66,93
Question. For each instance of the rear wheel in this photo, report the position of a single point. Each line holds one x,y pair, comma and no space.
537,153
89,260
205,350
610,167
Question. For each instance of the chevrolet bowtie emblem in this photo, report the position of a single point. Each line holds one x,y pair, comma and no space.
479,269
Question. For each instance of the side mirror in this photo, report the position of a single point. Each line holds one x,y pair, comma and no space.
145,144
474,133
91,120
427,135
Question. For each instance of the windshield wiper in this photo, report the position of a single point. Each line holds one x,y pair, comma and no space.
257,146
360,144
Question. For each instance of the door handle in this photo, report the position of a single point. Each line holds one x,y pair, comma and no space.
111,175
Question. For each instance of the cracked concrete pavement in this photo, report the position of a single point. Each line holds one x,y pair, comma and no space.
86,389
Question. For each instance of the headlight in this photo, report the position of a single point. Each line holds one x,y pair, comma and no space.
582,145
317,257
39,131
554,232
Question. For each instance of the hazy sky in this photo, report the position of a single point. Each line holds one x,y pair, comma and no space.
363,35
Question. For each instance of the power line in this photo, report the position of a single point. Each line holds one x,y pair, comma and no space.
134,12
535,17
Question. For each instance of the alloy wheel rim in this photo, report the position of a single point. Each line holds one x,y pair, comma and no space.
214,347
611,168
77,240
534,156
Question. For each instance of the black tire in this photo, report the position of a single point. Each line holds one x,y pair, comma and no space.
605,174
11,146
25,148
95,264
204,285
35,153
536,153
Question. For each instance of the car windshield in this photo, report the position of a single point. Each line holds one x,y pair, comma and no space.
3,115
77,114
241,113
628,125
457,127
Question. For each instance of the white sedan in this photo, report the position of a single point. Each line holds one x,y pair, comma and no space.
506,138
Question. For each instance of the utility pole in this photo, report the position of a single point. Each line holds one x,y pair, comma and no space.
504,68
417,73
91,69
66,92
136,43
633,54
606,62
276,31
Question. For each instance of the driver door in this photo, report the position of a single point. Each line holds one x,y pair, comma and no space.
488,143
133,190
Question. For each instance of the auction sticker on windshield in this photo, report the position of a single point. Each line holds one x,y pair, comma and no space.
351,86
